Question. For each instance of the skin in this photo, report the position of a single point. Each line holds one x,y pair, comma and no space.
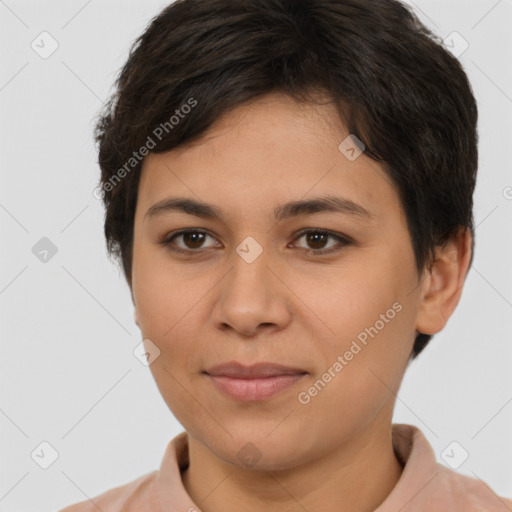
288,306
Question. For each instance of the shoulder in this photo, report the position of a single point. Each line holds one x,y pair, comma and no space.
427,485
472,494
134,496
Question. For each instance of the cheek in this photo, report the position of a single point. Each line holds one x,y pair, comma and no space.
167,309
163,296
364,365
170,311
371,321
351,299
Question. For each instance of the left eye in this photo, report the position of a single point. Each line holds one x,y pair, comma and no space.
316,239
192,239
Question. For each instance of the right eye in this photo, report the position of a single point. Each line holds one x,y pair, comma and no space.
192,240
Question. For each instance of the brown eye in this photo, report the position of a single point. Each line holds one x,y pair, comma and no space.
191,241
316,241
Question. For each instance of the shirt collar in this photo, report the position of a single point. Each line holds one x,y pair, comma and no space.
420,474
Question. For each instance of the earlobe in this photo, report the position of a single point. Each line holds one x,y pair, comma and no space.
442,287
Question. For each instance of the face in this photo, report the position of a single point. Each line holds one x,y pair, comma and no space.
249,281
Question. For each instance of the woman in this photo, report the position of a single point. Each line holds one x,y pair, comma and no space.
288,186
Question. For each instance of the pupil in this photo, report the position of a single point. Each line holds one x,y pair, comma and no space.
193,238
314,238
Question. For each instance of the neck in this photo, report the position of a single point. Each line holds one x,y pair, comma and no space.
356,477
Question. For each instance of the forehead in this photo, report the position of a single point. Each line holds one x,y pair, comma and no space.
265,153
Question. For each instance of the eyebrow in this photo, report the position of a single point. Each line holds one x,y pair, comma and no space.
291,209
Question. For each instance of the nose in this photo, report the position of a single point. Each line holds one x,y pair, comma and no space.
252,298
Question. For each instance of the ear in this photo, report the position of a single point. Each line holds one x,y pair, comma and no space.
442,283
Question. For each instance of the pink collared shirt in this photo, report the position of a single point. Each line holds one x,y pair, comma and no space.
424,485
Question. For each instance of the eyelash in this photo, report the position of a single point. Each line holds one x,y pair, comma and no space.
343,241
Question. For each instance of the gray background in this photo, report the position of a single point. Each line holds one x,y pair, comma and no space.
68,374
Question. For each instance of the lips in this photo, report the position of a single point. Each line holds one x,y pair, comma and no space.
236,370
256,382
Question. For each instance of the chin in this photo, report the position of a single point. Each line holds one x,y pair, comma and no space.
255,449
